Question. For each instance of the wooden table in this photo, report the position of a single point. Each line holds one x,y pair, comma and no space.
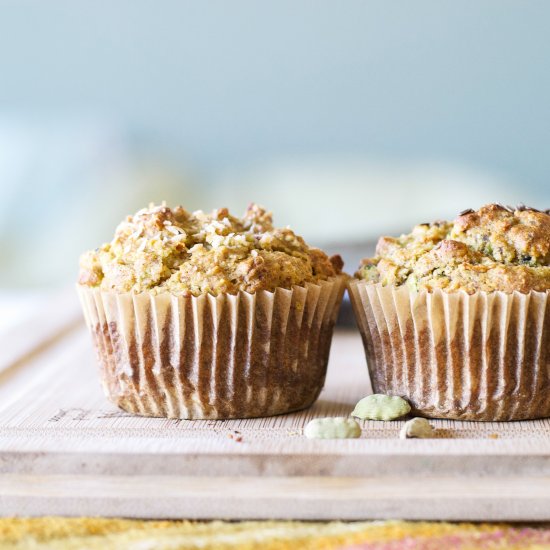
64,449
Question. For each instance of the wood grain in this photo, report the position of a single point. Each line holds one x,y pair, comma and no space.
64,449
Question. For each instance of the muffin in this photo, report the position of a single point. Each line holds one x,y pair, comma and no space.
455,316
198,315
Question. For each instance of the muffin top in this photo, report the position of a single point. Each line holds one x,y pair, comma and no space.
495,248
169,249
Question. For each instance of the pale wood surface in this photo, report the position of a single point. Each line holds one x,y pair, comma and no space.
65,449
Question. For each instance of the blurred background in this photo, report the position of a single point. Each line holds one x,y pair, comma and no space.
347,119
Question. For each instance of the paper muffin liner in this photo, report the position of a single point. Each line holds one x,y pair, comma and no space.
483,356
216,357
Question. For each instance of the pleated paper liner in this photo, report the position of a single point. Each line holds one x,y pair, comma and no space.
483,356
230,356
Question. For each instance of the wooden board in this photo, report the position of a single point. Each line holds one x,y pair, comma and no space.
65,450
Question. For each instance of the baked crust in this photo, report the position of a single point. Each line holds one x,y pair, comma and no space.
495,248
169,249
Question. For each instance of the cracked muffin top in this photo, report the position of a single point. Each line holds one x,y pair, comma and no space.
169,249
495,248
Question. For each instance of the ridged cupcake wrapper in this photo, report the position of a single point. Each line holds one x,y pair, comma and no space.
230,356
483,356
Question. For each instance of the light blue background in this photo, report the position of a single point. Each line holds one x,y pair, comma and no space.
221,84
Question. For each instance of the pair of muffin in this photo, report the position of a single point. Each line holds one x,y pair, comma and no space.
211,316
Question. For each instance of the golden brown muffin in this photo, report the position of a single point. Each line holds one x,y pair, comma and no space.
455,316
163,249
210,316
493,248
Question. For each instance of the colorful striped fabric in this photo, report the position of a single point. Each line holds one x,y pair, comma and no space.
96,533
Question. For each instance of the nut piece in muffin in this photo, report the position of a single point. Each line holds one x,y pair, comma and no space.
169,249
495,248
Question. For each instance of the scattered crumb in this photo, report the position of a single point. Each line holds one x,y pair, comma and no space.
235,436
443,433
493,436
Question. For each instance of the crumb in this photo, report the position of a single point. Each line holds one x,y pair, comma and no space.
235,436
